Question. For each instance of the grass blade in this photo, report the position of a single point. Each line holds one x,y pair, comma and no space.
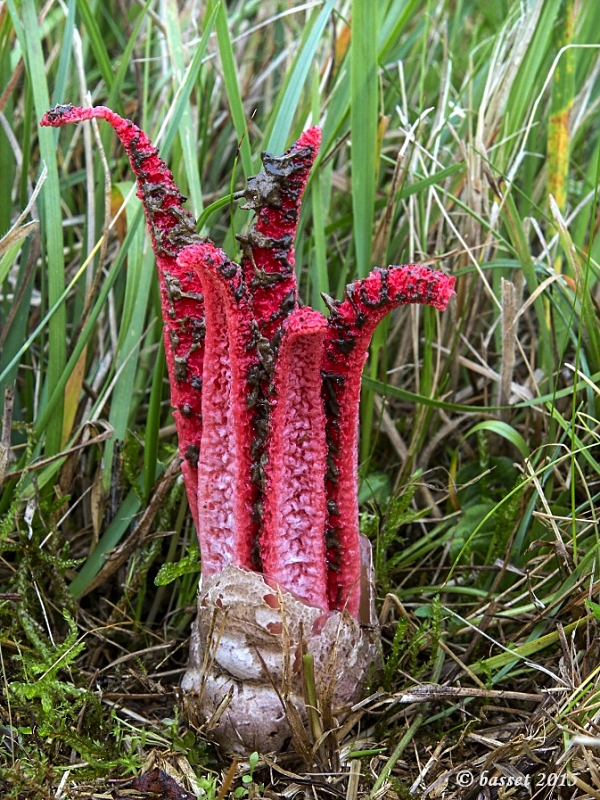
364,119
232,87
52,218
186,127
288,100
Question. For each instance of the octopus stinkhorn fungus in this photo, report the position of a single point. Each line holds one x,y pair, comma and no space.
265,396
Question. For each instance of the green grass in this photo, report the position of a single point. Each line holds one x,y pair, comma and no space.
443,136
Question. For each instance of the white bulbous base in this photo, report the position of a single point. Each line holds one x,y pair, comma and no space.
246,660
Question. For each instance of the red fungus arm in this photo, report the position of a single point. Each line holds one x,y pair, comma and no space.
226,494
350,328
268,248
292,542
275,194
172,228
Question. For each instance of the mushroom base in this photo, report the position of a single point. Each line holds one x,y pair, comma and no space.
245,682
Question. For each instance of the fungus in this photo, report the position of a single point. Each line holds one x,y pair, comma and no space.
265,397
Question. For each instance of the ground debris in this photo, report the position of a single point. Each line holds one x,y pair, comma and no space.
151,785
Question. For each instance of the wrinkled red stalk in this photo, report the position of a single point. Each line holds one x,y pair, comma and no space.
275,196
350,328
172,228
225,493
292,543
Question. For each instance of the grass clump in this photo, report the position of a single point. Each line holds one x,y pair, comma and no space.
460,134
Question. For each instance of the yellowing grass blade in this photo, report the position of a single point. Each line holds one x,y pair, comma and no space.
558,124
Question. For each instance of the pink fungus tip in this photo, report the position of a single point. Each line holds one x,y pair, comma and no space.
311,137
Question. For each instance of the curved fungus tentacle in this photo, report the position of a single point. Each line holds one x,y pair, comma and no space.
350,328
172,227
